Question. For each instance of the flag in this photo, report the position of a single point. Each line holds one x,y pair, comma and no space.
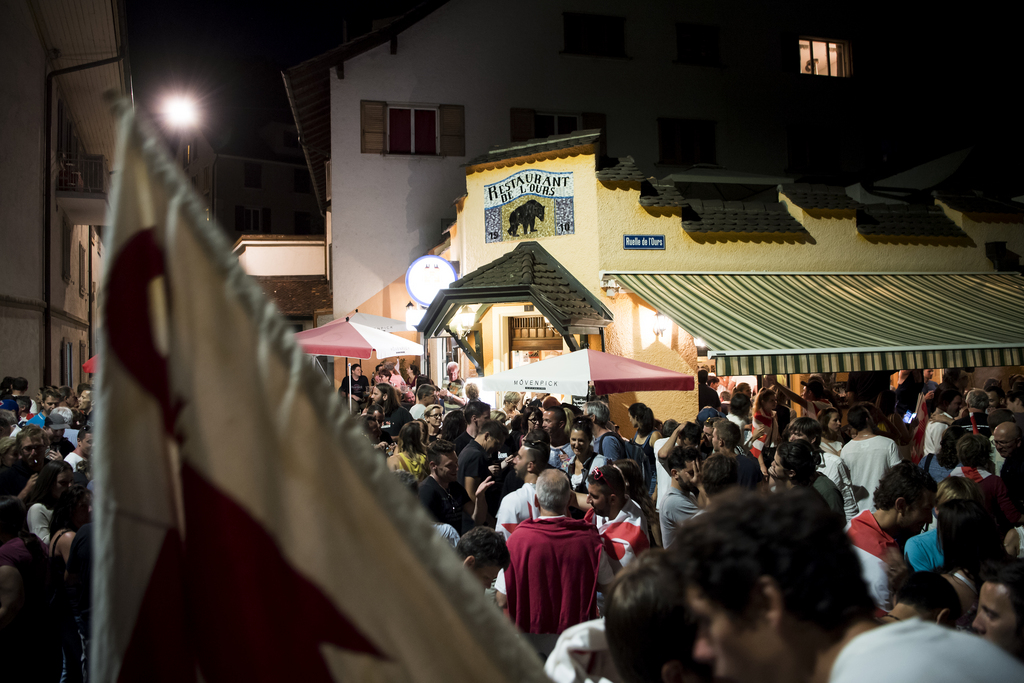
758,445
245,531
625,535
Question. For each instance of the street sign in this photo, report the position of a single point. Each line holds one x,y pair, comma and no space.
643,242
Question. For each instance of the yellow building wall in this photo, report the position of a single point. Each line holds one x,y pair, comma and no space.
603,214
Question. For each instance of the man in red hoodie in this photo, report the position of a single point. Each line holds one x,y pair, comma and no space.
557,564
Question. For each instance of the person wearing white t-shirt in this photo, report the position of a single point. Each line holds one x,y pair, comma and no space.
949,405
868,456
521,504
426,396
777,590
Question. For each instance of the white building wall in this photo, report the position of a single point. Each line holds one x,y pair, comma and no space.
276,259
491,57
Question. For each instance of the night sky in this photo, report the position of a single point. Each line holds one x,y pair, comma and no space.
229,55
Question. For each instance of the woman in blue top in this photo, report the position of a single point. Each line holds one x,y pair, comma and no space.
922,551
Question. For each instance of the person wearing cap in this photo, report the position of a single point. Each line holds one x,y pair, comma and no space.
55,423
813,400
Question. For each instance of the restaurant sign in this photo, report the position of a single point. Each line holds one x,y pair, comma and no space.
529,205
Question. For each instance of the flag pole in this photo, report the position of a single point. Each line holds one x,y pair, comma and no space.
348,369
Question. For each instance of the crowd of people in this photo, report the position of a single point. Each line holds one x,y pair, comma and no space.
780,535
45,531
776,536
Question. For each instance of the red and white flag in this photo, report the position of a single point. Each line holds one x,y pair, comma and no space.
517,507
245,531
624,536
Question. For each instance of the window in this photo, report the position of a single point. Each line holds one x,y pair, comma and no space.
409,129
594,34
65,248
253,175
683,142
67,362
825,57
83,276
303,223
412,131
697,44
302,182
250,219
545,125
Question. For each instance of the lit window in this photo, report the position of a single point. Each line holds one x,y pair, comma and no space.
412,131
825,57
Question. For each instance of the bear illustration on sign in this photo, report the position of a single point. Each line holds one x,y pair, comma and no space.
525,217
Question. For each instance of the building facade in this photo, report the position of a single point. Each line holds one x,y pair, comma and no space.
58,141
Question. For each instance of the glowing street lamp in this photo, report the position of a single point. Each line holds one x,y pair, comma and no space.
180,112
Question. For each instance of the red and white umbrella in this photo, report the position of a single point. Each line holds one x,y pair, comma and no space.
571,373
352,340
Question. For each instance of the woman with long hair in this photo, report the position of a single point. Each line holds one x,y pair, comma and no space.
73,510
433,416
395,416
27,651
968,539
635,489
8,452
642,419
764,417
940,465
832,440
54,479
410,455
581,439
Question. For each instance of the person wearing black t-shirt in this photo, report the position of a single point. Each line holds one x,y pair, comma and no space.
477,461
476,413
357,385
706,396
446,500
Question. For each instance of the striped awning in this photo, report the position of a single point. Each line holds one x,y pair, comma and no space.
781,323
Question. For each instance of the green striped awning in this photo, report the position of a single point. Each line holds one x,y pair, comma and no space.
780,323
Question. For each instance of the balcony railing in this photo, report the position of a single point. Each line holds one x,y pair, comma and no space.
86,173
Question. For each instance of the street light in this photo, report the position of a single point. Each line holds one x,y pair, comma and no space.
180,112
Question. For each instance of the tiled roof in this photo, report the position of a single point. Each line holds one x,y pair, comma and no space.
625,171
660,194
905,220
530,265
978,205
554,143
739,217
298,296
818,196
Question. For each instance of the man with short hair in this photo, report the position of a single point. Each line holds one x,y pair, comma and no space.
476,459
556,564
521,504
447,501
1000,617
553,422
19,478
84,450
1007,439
680,503
904,500
604,437
996,398
50,400
795,464
717,474
868,456
649,629
1015,403
19,387
726,441
618,518
976,419
484,553
706,396
476,413
56,422
928,596
777,590
425,397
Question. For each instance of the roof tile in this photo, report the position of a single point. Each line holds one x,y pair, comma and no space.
808,196
553,143
979,205
739,217
905,220
625,171
298,296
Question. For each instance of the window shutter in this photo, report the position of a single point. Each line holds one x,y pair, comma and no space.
265,227
591,120
239,218
522,124
453,130
371,127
